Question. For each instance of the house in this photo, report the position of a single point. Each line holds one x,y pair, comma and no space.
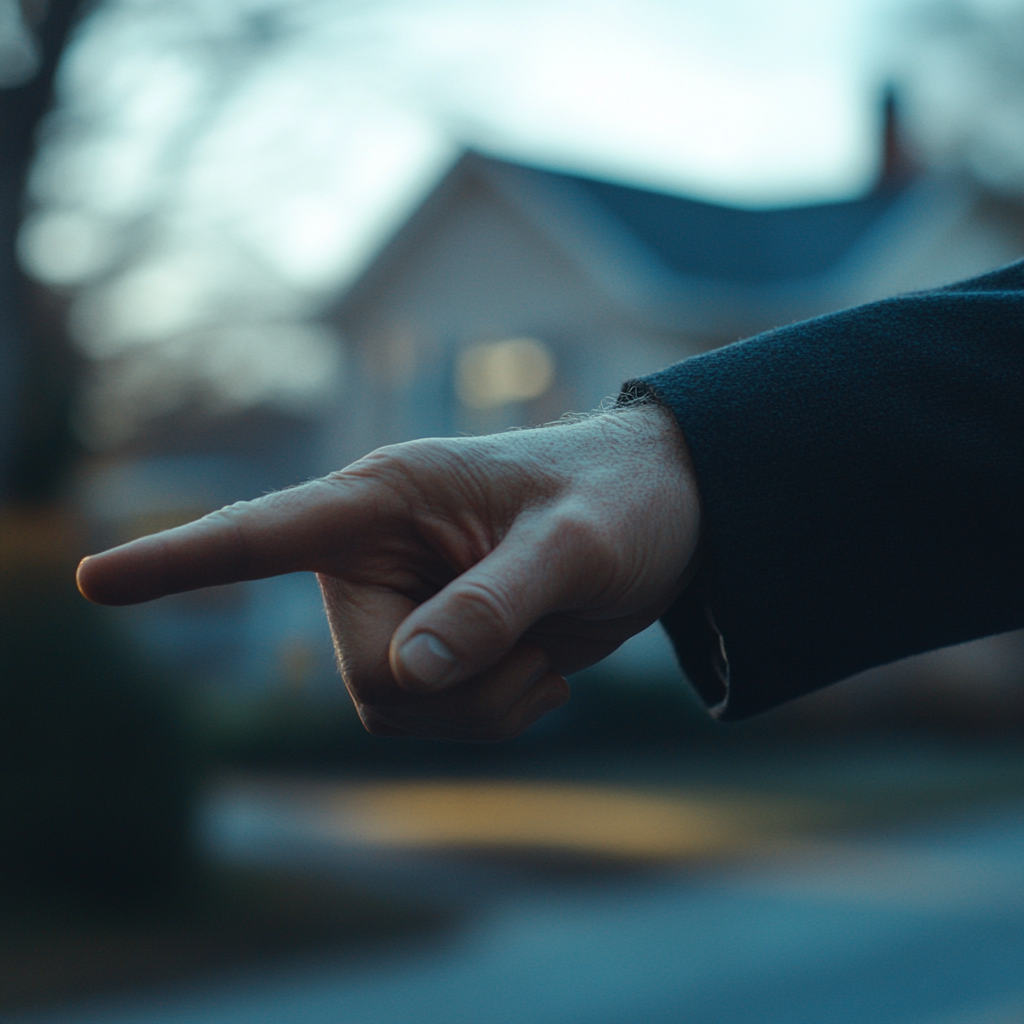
516,293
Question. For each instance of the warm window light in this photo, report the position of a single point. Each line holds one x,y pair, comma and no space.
499,372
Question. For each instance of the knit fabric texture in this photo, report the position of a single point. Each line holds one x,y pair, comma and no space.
862,486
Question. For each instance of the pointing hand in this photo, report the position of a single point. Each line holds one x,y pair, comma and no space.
462,577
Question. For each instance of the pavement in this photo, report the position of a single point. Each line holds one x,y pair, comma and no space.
914,924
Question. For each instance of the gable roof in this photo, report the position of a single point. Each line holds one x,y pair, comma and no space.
677,263
737,244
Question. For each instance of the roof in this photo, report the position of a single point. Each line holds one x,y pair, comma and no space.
674,261
736,244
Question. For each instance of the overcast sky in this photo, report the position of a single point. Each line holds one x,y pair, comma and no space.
239,161
320,122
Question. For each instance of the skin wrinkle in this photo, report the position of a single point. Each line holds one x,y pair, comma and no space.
570,526
492,510
343,481
416,510
422,577
413,581
444,533
489,601
326,530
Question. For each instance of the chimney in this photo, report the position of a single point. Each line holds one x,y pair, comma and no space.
898,164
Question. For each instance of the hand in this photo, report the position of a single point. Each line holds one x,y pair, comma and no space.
462,577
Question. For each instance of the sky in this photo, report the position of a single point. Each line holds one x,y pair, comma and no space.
319,137
218,165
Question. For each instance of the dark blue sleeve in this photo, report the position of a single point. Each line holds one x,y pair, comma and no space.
862,484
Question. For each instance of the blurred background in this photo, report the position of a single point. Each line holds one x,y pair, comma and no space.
243,243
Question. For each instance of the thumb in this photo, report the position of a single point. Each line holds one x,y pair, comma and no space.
478,618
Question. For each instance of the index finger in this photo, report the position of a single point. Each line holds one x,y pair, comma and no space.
279,533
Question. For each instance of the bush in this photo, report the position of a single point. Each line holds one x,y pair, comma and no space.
97,779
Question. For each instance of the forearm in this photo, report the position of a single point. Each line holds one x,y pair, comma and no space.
861,485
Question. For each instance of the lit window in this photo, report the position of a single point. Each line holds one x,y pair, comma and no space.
498,372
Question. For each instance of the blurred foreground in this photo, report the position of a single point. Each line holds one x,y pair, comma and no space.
819,882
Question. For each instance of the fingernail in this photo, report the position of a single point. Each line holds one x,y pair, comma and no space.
427,659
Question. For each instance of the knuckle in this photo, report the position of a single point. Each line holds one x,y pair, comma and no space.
387,465
407,472
384,456
487,607
393,459
581,535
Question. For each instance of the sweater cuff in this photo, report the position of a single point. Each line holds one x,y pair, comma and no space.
690,622
700,648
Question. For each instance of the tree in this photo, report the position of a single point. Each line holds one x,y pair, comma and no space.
95,787
38,369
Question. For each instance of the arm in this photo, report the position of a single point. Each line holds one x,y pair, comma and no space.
462,577
862,480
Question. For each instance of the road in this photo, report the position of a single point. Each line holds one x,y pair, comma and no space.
922,925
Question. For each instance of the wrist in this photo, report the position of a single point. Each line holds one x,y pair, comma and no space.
666,458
